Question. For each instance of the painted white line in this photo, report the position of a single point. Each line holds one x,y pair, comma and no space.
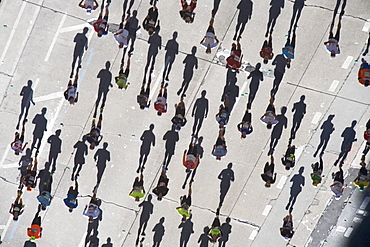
11,165
360,212
366,26
365,202
341,229
153,91
35,84
267,209
333,85
48,97
55,38
12,32
347,62
348,232
4,155
253,235
316,118
73,28
299,151
357,220
242,90
282,181
6,227
2,227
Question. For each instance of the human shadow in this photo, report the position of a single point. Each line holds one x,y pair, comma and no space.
200,112
44,176
147,209
81,45
327,129
226,230
245,13
79,159
226,176
172,49
171,137
129,6
40,123
155,44
105,77
27,99
274,12
158,230
101,157
108,243
147,140
367,46
23,163
187,230
297,9
92,229
200,152
278,130
280,63
230,79
134,26
232,92
299,109
216,5
257,77
349,136
204,239
190,62
335,12
55,149
298,182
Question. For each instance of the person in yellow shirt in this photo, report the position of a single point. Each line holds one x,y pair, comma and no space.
361,181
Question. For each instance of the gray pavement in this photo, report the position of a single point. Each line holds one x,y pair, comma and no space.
37,44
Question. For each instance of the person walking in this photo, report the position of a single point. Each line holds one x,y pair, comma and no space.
30,179
270,118
122,34
288,159
92,210
287,230
364,73
89,5
143,97
71,94
190,158
266,50
332,45
16,209
17,145
71,201
268,174
160,105
288,49
35,231
150,21
185,203
234,61
138,190
162,186
220,149
209,39
215,231
338,186
121,79
362,180
317,169
94,137
101,24
222,117
179,120
187,12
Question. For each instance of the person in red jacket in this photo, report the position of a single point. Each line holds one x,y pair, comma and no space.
35,231
266,50
367,139
190,159
161,104
234,61
187,12
364,73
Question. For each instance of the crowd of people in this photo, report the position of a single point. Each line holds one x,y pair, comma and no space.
31,174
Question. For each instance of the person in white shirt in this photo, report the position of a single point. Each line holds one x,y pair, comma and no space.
270,117
89,5
122,35
209,39
71,93
92,211
332,45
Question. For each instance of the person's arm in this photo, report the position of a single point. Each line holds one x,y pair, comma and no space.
101,137
81,5
96,5
11,207
184,157
76,99
203,40
84,212
217,41
22,148
193,111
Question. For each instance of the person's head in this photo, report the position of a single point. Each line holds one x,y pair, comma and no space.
142,107
269,125
187,165
315,183
244,134
33,238
361,188
151,31
15,216
218,157
120,45
178,128
208,50
29,188
265,60
159,112
268,184
16,152
70,209
71,100
92,145
338,196
332,53
43,206
100,33
137,199
160,196
366,83
287,166
188,19
234,66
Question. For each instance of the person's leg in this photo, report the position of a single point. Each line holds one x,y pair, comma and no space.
337,34
321,166
292,44
100,121
160,92
287,43
165,92
37,219
193,5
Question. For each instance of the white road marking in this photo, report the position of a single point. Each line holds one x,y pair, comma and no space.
4,155
253,235
366,26
12,32
348,232
267,210
153,91
48,97
316,118
341,229
347,62
357,220
242,91
55,38
73,28
299,152
365,202
333,85
281,183
6,227
35,84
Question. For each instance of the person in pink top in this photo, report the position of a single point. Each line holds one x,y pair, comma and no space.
161,104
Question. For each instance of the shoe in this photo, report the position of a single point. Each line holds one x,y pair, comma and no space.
166,85
138,170
101,109
167,78
93,121
143,234
72,178
218,211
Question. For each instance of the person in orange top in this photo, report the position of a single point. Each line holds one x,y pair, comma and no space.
190,159
234,61
35,231
364,73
